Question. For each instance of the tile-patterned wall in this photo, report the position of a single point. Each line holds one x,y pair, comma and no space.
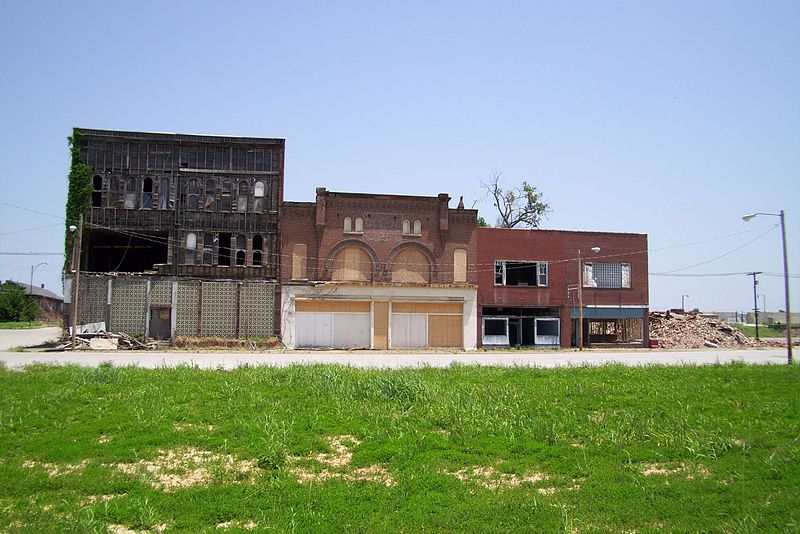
128,305
188,301
219,309
92,293
256,312
161,293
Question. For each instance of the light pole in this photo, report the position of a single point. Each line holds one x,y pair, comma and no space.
683,304
580,297
750,217
33,268
755,298
76,263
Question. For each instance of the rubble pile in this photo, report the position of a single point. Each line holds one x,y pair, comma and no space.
105,341
675,330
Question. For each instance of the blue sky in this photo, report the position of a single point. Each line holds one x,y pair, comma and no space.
666,118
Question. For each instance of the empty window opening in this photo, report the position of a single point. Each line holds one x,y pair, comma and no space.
348,224
495,331
258,195
97,191
224,252
115,252
241,205
190,251
241,250
209,204
192,195
208,249
606,275
225,196
359,225
130,193
163,194
604,331
258,250
147,193
520,273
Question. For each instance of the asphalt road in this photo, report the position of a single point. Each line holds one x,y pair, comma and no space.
24,338
394,360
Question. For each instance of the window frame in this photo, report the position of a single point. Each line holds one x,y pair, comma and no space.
542,270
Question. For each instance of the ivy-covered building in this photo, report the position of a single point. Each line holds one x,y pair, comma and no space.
195,216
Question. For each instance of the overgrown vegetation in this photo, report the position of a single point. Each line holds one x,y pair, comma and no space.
79,188
764,330
15,304
465,449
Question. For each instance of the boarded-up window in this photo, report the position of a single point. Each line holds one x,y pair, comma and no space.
352,263
444,331
460,265
299,262
411,266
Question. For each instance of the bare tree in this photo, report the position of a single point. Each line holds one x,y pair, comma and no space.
519,206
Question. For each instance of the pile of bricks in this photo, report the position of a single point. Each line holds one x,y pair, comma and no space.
675,330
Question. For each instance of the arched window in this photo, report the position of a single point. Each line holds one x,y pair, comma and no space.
192,195
130,193
348,224
258,250
352,263
113,192
163,194
190,253
406,227
359,225
210,199
411,266
241,250
241,205
258,194
417,228
147,193
208,249
97,191
225,196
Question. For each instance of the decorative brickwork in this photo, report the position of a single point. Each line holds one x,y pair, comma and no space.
161,293
219,309
92,299
128,305
256,311
188,303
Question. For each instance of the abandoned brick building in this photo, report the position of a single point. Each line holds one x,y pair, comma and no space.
181,233
378,271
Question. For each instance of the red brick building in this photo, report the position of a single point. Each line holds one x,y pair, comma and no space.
528,288
378,271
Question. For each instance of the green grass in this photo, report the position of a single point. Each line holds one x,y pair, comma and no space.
17,325
721,444
763,331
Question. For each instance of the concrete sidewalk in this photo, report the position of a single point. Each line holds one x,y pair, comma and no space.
26,337
391,360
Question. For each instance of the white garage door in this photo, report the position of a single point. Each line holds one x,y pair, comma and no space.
337,330
409,330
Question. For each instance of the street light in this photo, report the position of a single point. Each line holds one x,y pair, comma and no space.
750,217
683,305
33,268
580,297
76,264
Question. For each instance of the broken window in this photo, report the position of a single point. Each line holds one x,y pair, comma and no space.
606,275
520,273
359,225
348,224
210,200
208,249
224,253
225,196
147,193
241,250
113,192
190,252
417,228
163,194
97,191
130,193
258,193
192,195
241,205
258,250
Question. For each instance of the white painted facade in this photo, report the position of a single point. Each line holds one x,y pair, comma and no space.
318,329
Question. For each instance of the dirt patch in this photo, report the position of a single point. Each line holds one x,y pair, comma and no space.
94,499
56,470
491,478
245,525
122,529
181,468
684,470
183,427
104,439
214,343
336,465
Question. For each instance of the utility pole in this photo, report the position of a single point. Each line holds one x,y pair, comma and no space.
76,260
683,304
755,297
580,302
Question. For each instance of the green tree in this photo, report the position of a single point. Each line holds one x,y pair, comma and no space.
517,206
482,223
15,305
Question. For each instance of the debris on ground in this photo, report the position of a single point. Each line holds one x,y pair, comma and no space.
690,330
106,341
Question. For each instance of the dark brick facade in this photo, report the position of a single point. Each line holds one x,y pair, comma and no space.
560,250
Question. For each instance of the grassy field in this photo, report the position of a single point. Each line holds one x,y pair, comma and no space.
333,449
18,325
763,331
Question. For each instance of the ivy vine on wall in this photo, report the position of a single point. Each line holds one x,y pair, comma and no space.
79,188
